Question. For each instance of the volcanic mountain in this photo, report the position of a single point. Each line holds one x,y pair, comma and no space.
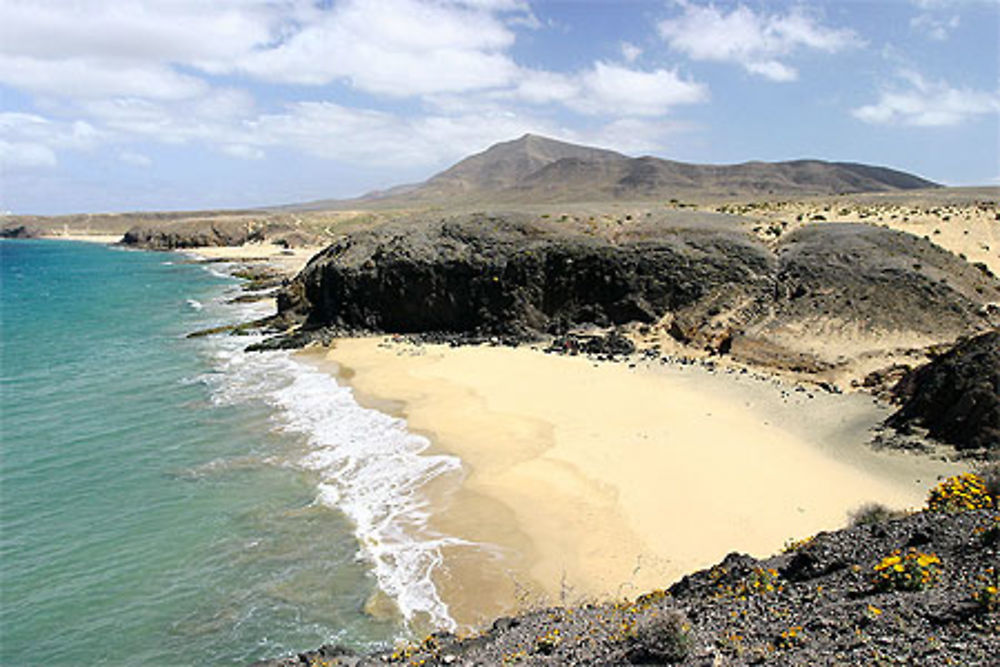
535,169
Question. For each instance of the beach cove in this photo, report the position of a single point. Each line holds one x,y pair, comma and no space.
590,480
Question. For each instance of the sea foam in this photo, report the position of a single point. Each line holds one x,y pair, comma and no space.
369,466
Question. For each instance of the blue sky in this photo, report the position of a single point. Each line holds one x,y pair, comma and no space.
186,104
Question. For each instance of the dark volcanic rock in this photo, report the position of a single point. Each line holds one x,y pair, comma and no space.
515,277
490,275
193,234
605,346
18,232
956,397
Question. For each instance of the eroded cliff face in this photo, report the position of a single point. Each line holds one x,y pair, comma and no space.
192,234
707,280
490,275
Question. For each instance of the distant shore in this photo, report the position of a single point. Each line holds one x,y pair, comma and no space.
600,480
89,238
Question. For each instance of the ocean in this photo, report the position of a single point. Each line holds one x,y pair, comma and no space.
171,501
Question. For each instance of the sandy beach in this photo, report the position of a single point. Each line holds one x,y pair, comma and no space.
596,480
289,260
89,238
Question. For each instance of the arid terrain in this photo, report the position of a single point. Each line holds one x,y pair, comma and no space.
787,289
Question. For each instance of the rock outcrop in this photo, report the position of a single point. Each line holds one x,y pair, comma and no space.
508,275
956,397
710,283
193,234
18,232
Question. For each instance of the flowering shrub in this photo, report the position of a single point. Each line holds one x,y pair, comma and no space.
959,494
758,582
791,637
908,571
795,545
988,596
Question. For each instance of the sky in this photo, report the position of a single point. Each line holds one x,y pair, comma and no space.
196,104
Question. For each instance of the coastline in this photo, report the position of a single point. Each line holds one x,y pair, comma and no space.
106,239
288,260
595,481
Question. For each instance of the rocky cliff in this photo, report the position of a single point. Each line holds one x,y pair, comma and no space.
703,276
509,275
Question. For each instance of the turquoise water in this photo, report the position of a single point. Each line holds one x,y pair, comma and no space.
165,500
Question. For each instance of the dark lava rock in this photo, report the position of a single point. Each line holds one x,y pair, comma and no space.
193,234
259,277
500,275
776,611
18,232
513,276
956,397
607,346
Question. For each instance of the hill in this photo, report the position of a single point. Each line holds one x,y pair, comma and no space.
535,169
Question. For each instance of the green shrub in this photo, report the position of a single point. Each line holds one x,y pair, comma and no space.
661,638
872,513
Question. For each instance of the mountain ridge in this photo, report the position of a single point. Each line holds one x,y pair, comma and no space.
538,169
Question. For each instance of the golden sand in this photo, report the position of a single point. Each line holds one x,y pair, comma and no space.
597,480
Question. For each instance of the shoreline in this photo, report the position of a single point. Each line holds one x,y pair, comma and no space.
568,517
105,239
289,260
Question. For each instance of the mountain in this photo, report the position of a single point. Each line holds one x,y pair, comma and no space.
535,169
507,165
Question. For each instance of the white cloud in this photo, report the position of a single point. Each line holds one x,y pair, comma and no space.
928,104
86,78
391,47
758,42
130,31
612,89
93,49
773,70
30,140
371,137
630,52
935,28
543,87
148,72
